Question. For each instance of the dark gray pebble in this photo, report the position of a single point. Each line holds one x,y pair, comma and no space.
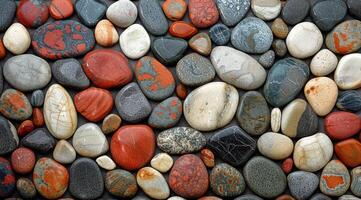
168,50
39,139
267,59
302,184
90,12
8,138
354,8
232,11
280,48
295,11
220,34
7,13
152,17
349,100
327,13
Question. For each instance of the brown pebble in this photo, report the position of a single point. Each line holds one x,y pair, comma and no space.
26,188
111,123
279,28
38,118
207,157
2,50
181,91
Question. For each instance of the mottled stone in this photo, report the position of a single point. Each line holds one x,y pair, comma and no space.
220,34
279,28
7,178
232,11
153,183
105,162
23,160
90,12
37,98
162,162
121,183
294,11
203,13
280,48
39,140
269,145
201,43
8,138
327,13
7,13
134,41
111,123
267,59
266,9
25,127
174,9
169,50
207,157
349,100
302,184
32,13
64,152
355,186
335,179
348,72
226,181
26,188
122,13
15,105
323,63
17,39
166,114
152,17
105,33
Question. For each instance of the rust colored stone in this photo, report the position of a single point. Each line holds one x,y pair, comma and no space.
23,160
174,9
38,117
182,29
203,13
61,9
181,91
349,152
207,157
25,127
2,50
287,165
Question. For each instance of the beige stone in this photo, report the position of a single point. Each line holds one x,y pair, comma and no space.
162,162
323,63
275,146
348,72
266,9
64,152
105,162
17,39
105,33
153,183
276,117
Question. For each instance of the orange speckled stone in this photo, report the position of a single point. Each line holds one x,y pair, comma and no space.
38,117
15,105
182,29
287,165
349,152
207,157
61,9
285,197
25,127
181,91
2,50
203,13
23,160
174,9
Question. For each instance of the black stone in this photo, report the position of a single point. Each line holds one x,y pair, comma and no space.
220,34
90,12
7,13
86,180
349,100
327,13
295,11
152,17
354,8
39,139
8,142
169,50
232,145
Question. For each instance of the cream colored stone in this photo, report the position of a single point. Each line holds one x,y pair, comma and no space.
162,162
348,72
276,117
59,112
312,153
105,33
122,13
266,9
323,63
176,198
275,146
17,39
134,41
64,152
105,162
153,183
321,94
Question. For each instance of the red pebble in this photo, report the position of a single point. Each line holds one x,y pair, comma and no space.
207,157
209,198
38,118
287,165
182,29
61,9
349,152
23,160
32,13
203,13
181,91
25,127
285,197
342,125
2,50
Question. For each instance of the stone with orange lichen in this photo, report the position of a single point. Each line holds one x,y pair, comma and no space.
174,9
203,13
226,181
335,179
345,38
166,114
15,105
153,183
7,178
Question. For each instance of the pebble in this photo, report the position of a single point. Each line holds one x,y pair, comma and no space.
298,119
50,178
345,37
347,74
304,40
105,162
39,140
181,91
203,13
68,72
232,145
279,28
135,141
201,43
312,153
2,52
349,100
122,13
232,11
7,178
356,181
61,9
335,179
15,105
348,197
294,11
207,157
326,14
266,9
354,8
253,114
7,13
287,165
264,177
168,50
59,112
210,106
248,197
52,41
32,13
38,118
220,34
64,152
111,123
90,12
166,114
174,9
268,145
181,140
131,103
276,119
162,162
302,184
342,125
105,33
349,152
26,188
9,140
189,177
280,48
17,39
285,81
27,72
25,127
23,160
321,93
320,196
86,180
121,183
182,29
195,70
89,141
252,35
152,183
152,17
285,197
134,41
323,63
226,181
93,103
37,98
267,59
154,79
242,70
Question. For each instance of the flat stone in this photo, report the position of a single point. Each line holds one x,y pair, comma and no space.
181,140
253,113
152,183
201,43
349,152
111,123
327,13
154,79
302,184
39,140
220,34
320,196
356,181
298,119
348,197
294,11
17,39
162,162
15,105
122,13
342,125
268,145
64,152
248,197
285,80
61,9
210,106
105,162
349,100
26,188
195,70
7,178
59,112
232,145
32,13
7,13
323,63
265,9
279,28
203,13
169,50
166,114
264,177
237,68
226,181
207,157
312,153
182,29
86,180
232,11
348,72
152,17
267,59
105,33
23,160
90,12
174,9
335,179
37,98
121,183
134,41
354,8
131,103
280,48
252,35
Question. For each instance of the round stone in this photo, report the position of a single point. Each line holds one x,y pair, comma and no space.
304,40
287,165
15,105
152,17
220,34
335,179
280,48
226,181
354,8
276,119
121,183
356,181
302,184
32,13
64,152
174,9
137,142
25,127
219,99
349,100
111,123
134,41
189,177
105,33
349,152
232,11
168,50
347,74
252,35
182,29
312,153
122,13
294,11
105,162
268,145
264,177
7,178
323,63
279,28
23,160
152,183
207,157
162,162
90,12
327,13
17,39
203,13
266,9
166,114
7,12
267,59
61,9
201,43
39,140
37,98
342,125
26,188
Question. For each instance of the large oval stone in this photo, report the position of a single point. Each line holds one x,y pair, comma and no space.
335,179
269,145
7,178
348,72
342,125
153,183
59,112
327,13
62,39
203,13
15,105
285,80
166,114
152,17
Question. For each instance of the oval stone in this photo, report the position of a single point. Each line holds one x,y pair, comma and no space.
121,183
220,34
134,41
345,38
152,183
168,50
62,39
226,181
105,33
348,72
287,165
32,13
327,13
232,11
174,9
61,9
302,184
349,152
122,13
15,105
152,17
105,162
268,145
90,11
356,181
27,72
335,179
279,28
203,13
7,178
276,119
37,98
266,9
162,162
182,29
201,43
23,160
166,114
294,11
323,63
111,123
342,125
26,188
349,100
17,39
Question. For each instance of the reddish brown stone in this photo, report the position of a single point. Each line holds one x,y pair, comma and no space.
25,127
189,177
181,91
285,197
209,198
287,165
38,118
182,29
93,103
342,125
23,160
107,68
349,152
174,9
32,13
207,157
2,50
61,9
203,13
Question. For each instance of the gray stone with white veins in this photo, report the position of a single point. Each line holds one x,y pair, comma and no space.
232,11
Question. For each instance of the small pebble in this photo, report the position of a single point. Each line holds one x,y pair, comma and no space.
152,183
323,63
17,39
266,9
203,13
181,91
287,165
64,152
134,47
302,184
269,145
182,29
207,157
26,188
279,28
220,34
90,12
348,72
349,100
280,48
232,11
162,162
121,183
267,59
335,179
61,9
294,11
276,117
226,181
105,33
37,98
111,123
105,162
201,43
174,9
169,50
23,160
25,127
